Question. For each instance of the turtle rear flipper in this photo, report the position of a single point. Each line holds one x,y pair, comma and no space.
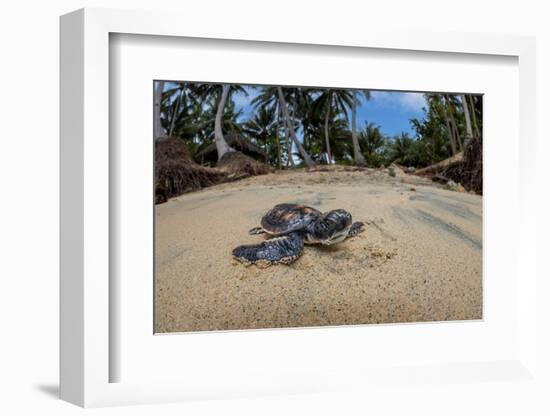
256,230
285,250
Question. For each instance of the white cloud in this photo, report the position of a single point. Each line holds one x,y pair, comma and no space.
406,101
412,100
382,98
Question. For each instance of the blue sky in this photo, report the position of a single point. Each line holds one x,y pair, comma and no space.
390,110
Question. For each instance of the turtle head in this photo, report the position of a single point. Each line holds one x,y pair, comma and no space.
332,227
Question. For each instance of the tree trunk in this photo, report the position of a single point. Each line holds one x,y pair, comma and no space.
304,139
278,151
327,139
221,145
457,134
451,132
469,132
175,115
458,139
288,147
289,143
357,155
305,156
474,117
157,127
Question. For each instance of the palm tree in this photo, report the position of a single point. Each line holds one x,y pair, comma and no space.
263,128
193,118
474,116
373,142
333,100
305,156
357,155
434,132
175,97
468,120
221,93
341,143
221,145
288,142
441,104
443,108
451,106
158,92
274,97
400,148
268,98
304,103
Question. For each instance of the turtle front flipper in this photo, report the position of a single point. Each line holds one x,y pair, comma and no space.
256,230
356,228
284,250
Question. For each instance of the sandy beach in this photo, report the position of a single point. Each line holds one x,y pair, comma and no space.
420,258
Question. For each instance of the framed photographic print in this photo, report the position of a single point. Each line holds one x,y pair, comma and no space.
271,214
388,244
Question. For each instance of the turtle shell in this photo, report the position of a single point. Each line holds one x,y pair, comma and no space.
286,218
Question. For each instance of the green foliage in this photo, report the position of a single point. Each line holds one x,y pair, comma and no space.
374,145
262,130
442,126
407,151
188,111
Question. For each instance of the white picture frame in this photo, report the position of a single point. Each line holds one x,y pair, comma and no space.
85,212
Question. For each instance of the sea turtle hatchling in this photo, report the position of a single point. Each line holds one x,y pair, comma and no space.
292,226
